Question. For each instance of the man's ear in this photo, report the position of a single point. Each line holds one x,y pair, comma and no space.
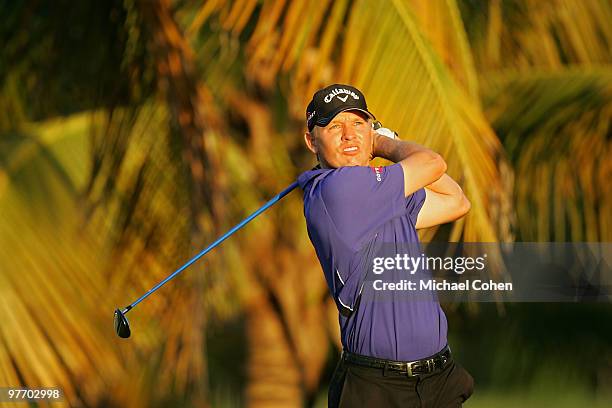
311,143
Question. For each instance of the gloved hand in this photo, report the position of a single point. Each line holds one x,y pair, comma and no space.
383,131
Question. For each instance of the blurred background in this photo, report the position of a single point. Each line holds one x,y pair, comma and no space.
134,132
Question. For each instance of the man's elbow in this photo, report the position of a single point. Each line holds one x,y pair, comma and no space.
463,205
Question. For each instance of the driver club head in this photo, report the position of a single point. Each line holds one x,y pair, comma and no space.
122,326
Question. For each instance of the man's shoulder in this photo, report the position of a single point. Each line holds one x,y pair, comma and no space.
347,182
307,178
326,182
356,178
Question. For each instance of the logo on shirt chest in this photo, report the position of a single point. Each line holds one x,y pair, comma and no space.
378,171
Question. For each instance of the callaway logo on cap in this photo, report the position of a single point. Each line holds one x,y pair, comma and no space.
328,102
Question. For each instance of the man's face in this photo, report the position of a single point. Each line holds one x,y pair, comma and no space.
345,141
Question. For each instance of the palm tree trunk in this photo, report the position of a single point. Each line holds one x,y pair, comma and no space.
274,379
190,108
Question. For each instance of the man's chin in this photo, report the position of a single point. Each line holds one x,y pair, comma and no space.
355,162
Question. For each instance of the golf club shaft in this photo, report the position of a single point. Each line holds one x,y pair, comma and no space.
214,244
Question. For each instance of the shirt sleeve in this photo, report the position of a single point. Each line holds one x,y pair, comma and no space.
414,203
359,200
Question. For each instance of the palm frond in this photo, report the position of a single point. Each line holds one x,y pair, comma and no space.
545,35
52,282
440,21
556,128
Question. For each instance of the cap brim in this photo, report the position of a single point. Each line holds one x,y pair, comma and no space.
325,121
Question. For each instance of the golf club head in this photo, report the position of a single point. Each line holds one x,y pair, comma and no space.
122,326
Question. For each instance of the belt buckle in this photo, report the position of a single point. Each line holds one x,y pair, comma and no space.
409,369
431,365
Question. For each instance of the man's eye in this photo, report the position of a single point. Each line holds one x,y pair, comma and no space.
358,123
336,126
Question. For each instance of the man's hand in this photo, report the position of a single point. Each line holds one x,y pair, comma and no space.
383,131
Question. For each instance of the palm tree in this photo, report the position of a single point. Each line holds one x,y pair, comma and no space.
207,103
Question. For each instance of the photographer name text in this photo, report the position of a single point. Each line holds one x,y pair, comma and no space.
442,285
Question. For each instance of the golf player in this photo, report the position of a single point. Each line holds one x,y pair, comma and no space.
395,351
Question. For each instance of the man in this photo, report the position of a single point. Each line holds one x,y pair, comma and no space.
395,350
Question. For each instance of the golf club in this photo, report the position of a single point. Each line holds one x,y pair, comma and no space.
122,326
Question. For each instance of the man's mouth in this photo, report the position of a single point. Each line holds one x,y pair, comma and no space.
350,150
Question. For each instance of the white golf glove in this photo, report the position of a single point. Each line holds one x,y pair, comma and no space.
383,131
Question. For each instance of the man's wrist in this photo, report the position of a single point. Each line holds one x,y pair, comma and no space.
381,135
385,146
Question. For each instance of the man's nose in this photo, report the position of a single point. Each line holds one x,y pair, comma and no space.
348,133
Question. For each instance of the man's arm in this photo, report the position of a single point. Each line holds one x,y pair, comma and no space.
444,202
421,166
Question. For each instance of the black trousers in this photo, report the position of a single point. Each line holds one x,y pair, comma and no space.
356,386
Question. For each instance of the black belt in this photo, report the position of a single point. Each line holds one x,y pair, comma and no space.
410,368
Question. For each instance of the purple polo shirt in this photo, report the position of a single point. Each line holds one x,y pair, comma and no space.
350,211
